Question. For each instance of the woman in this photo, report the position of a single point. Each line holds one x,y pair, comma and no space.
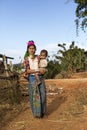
37,93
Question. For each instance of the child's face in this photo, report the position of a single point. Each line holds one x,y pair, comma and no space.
42,55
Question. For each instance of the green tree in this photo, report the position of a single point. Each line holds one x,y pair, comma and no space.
71,59
53,69
81,14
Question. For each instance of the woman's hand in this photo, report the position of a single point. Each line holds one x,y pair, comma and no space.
29,71
41,70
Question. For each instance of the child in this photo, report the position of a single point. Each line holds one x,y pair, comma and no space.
42,63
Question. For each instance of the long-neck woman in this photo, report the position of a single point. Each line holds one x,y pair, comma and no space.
37,93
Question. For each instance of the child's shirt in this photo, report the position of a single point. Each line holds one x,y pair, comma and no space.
43,63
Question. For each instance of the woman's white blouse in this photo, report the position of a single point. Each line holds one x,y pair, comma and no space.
33,63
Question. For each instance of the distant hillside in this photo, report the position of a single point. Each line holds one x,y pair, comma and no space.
80,75
74,75
17,65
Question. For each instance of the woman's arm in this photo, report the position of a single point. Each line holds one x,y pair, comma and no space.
32,71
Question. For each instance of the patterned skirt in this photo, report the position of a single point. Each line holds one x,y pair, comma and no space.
37,96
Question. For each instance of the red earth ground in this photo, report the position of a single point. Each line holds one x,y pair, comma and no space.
66,107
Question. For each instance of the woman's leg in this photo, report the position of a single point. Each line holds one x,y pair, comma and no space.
31,96
42,88
34,96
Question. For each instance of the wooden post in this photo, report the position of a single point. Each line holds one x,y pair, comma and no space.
11,66
5,65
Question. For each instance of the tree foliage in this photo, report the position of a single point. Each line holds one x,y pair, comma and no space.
71,59
67,61
81,14
53,69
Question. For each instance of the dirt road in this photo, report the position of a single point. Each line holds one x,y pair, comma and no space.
66,109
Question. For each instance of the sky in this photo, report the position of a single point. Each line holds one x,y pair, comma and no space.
47,22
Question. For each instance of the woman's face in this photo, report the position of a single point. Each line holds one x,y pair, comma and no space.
31,50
